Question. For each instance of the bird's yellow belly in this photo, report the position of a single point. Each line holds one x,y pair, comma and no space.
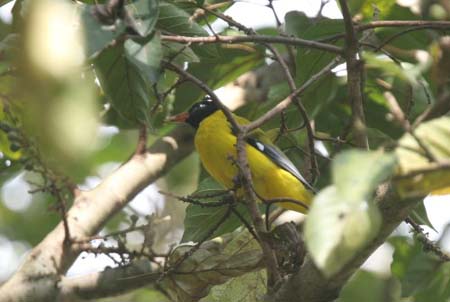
270,181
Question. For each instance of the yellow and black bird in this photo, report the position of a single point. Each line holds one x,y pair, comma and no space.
274,175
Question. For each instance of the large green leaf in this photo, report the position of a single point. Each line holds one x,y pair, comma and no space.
96,35
145,14
124,82
142,17
424,174
146,56
342,219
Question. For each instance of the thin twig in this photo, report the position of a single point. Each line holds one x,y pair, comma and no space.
427,243
141,146
403,23
255,39
189,199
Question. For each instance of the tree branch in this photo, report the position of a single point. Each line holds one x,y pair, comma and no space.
37,279
354,79
108,283
404,23
309,285
255,39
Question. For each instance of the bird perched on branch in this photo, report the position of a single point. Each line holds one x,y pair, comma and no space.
274,176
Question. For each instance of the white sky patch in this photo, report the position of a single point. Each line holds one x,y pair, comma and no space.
380,261
15,194
5,12
148,201
11,255
438,209
88,263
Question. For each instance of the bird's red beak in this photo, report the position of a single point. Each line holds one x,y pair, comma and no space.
181,118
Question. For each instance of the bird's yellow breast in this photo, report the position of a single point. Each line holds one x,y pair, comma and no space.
216,146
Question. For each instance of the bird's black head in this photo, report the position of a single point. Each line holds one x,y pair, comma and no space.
199,111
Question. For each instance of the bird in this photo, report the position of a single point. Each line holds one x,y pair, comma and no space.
274,176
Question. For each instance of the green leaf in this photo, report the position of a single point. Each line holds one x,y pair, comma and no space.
419,215
356,174
147,57
126,85
422,275
247,288
369,287
215,262
310,61
177,21
413,181
342,219
96,35
145,14
181,53
231,64
367,8
336,229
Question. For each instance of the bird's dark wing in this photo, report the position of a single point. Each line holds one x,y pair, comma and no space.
278,157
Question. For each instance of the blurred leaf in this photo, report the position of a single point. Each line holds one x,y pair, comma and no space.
367,8
3,2
356,174
438,289
419,215
443,191
342,219
200,221
9,48
435,136
421,274
215,262
124,82
369,287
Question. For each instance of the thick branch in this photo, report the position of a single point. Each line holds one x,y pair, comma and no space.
108,283
310,285
37,278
